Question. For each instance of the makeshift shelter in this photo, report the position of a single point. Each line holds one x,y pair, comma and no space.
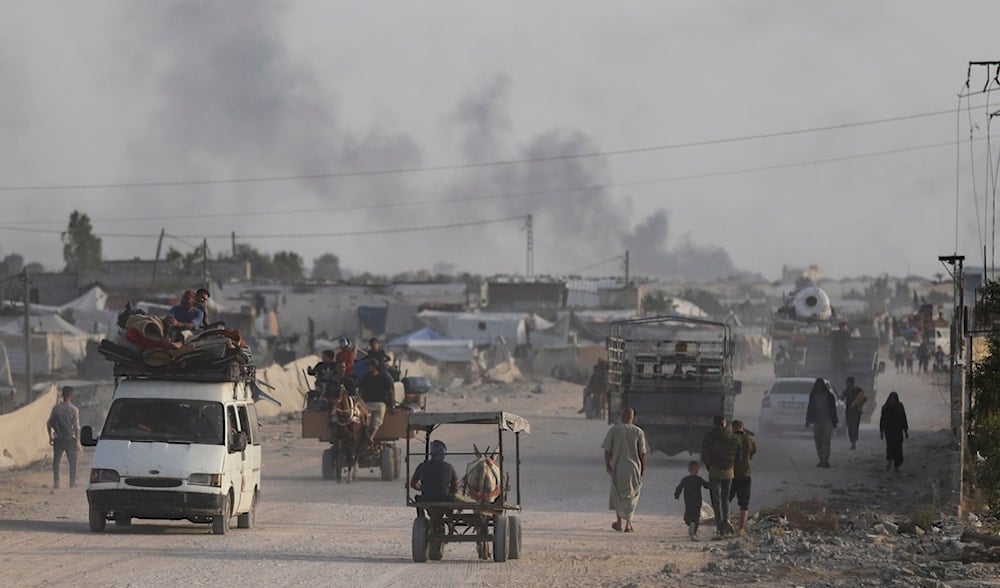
424,334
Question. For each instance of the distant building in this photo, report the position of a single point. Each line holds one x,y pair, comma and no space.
525,296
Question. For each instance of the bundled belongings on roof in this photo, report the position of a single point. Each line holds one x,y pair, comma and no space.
145,348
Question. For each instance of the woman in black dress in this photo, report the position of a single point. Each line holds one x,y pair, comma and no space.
893,428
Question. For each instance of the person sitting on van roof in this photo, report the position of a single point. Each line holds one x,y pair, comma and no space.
185,316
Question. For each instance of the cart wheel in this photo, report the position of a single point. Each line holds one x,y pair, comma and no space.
98,519
514,537
328,464
397,462
420,525
500,538
386,463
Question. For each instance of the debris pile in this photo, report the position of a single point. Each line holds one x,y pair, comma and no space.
806,542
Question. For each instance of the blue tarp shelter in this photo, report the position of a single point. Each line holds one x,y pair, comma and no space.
424,334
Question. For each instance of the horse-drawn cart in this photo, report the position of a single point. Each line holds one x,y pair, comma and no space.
492,524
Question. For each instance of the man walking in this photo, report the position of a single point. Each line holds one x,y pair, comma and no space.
718,452
821,415
854,399
63,429
740,490
625,452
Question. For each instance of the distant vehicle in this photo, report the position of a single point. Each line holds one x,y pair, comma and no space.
676,372
784,405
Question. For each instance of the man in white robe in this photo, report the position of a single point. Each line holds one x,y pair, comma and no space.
625,452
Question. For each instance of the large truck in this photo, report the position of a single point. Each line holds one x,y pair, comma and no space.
676,373
837,355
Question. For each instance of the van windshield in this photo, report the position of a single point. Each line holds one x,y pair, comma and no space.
166,420
803,388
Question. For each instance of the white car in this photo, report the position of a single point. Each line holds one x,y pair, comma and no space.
783,407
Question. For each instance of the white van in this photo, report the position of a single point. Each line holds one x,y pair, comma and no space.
176,450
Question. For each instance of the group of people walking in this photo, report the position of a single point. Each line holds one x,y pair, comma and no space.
727,453
821,416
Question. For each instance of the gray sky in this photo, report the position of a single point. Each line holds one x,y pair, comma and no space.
109,92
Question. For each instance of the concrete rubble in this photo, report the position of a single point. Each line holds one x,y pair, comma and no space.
867,549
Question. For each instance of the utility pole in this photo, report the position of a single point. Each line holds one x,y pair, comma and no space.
234,244
958,398
204,262
28,392
529,263
159,245
626,268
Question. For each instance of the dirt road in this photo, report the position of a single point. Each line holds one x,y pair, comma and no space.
312,532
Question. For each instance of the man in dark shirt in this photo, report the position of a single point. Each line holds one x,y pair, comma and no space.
854,400
201,297
435,478
375,388
326,374
376,352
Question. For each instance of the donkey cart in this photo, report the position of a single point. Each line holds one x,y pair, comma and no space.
476,516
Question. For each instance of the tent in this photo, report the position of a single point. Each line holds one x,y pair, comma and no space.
424,334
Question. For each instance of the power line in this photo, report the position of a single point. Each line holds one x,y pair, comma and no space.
12,226
459,166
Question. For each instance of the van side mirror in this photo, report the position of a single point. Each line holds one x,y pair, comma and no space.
87,436
737,387
239,443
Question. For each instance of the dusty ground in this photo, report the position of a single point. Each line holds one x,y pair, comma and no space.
314,532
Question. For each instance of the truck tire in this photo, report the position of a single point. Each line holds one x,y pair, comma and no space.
328,464
220,522
500,538
247,519
385,464
419,540
514,540
397,462
98,519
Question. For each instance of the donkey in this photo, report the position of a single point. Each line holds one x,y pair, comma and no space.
348,423
482,480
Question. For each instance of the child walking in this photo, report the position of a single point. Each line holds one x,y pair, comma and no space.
691,485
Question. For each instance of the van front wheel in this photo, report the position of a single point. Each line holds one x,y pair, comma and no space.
220,522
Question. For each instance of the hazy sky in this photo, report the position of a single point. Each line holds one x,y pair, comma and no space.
101,93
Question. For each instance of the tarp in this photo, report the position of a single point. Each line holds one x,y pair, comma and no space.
49,323
483,328
22,433
424,334
444,350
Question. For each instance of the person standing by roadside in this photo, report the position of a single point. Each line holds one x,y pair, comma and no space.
625,451
718,452
893,428
821,415
854,398
740,489
63,429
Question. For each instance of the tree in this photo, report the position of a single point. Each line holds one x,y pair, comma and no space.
326,267
985,409
81,248
288,265
655,303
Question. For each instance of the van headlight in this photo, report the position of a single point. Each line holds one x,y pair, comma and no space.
100,476
205,480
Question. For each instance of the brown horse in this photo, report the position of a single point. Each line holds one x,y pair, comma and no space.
348,422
